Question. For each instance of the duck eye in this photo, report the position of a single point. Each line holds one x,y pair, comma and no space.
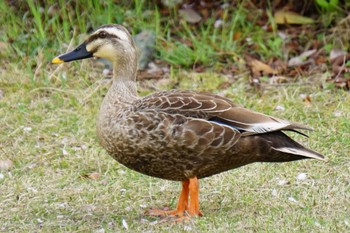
102,34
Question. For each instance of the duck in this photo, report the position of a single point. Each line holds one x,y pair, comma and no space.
179,135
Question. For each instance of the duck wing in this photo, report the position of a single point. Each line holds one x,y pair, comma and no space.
215,109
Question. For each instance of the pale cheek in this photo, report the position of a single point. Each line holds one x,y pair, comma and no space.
105,52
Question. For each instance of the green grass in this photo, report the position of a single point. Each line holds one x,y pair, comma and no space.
46,189
47,123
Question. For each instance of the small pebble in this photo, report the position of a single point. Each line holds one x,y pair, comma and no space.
280,108
121,172
274,192
27,129
282,182
337,113
218,23
101,230
317,224
301,176
5,164
125,224
64,152
39,220
110,224
292,199
143,220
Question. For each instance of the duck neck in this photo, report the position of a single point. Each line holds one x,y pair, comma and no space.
125,68
121,94
123,90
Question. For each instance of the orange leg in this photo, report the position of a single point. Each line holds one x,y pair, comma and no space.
181,205
190,189
193,208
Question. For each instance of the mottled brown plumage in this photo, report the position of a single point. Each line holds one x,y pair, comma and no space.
179,135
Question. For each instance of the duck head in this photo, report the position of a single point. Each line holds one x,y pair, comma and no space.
112,42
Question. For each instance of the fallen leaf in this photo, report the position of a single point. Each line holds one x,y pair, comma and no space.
342,83
259,68
190,15
224,85
302,59
339,64
321,59
336,53
237,35
289,17
278,65
92,176
306,98
278,79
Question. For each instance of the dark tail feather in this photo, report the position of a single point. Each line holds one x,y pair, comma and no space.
286,149
302,152
297,131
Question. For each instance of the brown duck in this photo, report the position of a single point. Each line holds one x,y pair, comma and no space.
179,135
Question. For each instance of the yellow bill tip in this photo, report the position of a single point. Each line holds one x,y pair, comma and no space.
56,60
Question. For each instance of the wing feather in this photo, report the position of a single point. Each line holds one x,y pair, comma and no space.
179,130
214,108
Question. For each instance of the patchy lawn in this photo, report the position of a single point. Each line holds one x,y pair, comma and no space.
54,177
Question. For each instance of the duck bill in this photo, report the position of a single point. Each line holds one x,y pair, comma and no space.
77,54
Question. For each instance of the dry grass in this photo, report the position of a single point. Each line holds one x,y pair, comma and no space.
48,131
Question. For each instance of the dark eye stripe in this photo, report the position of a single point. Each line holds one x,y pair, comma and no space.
97,36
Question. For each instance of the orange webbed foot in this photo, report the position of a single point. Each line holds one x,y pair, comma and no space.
164,213
185,209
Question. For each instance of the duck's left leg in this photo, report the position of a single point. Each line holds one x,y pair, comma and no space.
190,189
193,207
181,205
